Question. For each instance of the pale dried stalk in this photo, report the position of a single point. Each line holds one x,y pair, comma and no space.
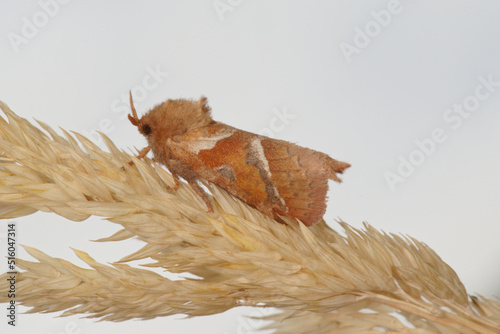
321,279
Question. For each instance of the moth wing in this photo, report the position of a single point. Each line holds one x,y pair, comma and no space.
300,175
277,177
218,153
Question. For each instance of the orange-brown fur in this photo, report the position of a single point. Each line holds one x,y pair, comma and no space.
276,177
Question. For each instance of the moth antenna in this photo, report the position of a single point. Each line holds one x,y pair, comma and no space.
133,118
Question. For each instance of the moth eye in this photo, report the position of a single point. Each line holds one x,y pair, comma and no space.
146,129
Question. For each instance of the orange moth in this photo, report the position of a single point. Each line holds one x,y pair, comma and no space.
276,177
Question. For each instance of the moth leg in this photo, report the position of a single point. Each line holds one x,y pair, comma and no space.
199,190
144,151
176,182
142,154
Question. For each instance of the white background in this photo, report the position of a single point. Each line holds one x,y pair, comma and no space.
253,59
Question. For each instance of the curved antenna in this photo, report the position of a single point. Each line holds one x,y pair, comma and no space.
133,118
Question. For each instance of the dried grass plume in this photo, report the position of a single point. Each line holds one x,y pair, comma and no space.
321,280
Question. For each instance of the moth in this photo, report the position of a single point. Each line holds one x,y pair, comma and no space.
278,178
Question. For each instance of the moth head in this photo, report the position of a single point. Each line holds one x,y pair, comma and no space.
171,118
